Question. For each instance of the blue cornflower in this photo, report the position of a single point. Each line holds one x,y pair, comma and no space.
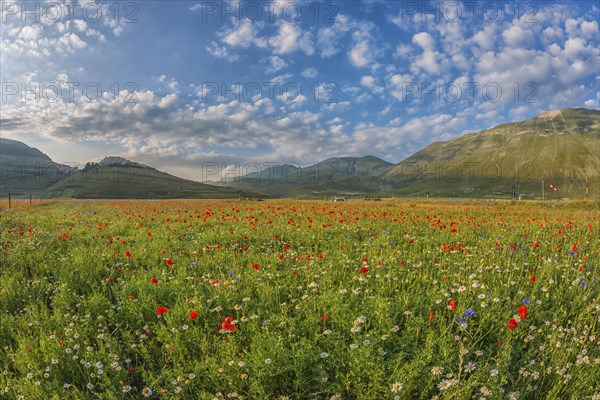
469,313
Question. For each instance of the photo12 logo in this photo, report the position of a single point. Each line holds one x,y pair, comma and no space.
268,11
269,172
251,92
467,172
459,12
53,12
470,92
68,92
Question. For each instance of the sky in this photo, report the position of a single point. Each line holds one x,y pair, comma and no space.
203,89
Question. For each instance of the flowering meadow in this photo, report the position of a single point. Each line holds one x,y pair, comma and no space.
299,300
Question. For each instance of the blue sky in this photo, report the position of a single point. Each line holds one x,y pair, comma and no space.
181,84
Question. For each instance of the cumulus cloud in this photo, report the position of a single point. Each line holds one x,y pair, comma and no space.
368,81
291,38
430,61
275,64
309,73
243,34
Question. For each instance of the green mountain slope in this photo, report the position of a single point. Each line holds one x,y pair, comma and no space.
116,178
26,170
561,147
334,176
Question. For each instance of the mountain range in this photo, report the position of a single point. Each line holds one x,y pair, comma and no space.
559,147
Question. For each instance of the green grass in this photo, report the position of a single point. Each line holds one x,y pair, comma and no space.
338,303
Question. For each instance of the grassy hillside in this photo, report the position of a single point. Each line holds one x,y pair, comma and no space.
133,183
561,147
334,176
26,170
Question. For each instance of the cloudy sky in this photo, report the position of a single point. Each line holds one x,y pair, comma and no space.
181,84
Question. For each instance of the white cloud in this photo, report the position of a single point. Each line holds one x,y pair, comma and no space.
368,81
430,61
290,38
424,39
242,35
360,55
30,32
221,52
275,64
403,50
515,35
329,38
309,73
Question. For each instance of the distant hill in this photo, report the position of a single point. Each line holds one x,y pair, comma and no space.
561,147
116,177
26,170
334,176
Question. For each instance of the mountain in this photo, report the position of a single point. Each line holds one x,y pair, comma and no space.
26,170
119,178
334,176
561,147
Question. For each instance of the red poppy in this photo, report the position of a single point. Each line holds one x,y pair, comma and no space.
193,315
533,279
128,254
324,317
256,266
536,245
523,311
153,280
161,310
149,233
169,262
281,256
512,323
364,270
431,316
227,326
286,246
452,305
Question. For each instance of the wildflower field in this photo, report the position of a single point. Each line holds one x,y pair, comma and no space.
299,300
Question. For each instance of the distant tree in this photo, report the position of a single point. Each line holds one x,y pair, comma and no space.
90,165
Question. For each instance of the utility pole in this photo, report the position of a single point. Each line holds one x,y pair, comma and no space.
587,188
542,190
8,199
